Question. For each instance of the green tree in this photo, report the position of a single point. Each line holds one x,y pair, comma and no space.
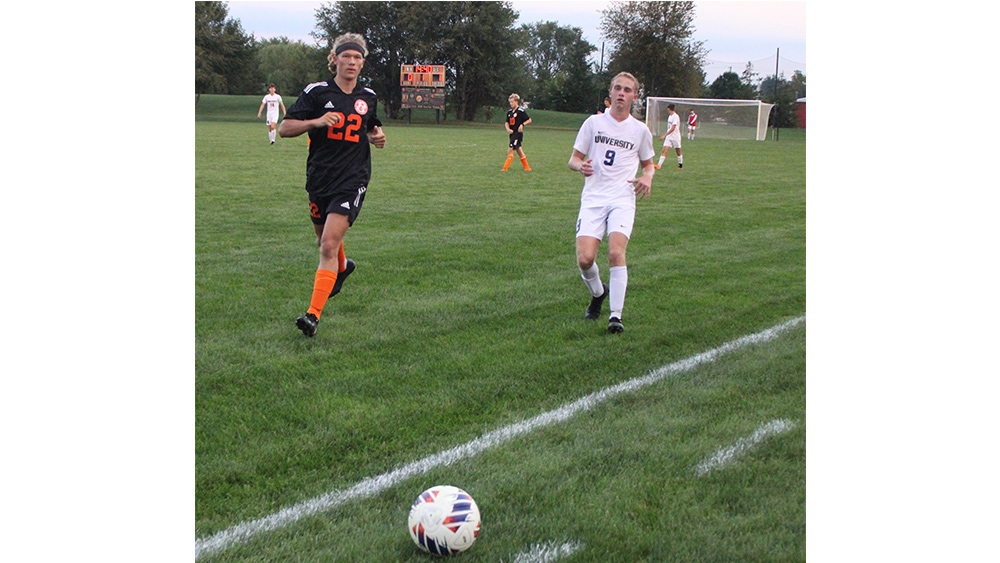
750,79
799,84
728,86
556,59
289,65
388,42
223,53
473,40
653,41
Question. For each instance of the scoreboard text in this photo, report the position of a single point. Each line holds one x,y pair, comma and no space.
422,76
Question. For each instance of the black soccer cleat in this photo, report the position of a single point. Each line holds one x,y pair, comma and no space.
348,268
615,325
307,323
594,309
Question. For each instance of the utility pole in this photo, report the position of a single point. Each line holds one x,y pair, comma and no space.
777,56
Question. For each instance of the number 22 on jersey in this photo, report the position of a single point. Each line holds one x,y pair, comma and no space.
345,129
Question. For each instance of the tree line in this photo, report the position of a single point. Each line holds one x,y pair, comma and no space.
550,65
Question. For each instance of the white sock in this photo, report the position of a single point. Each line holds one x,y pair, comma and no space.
617,286
592,278
660,163
270,135
680,159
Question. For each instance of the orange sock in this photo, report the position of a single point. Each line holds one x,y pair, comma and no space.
509,160
321,290
341,258
524,161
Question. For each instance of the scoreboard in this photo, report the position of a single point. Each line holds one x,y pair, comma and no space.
430,98
422,76
423,86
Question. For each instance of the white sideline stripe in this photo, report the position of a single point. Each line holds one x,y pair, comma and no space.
547,552
244,531
727,455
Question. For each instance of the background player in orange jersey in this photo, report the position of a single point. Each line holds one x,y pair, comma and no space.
517,118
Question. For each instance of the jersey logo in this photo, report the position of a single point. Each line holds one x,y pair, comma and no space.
329,105
361,107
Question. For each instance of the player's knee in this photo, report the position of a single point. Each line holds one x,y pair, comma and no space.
616,257
329,249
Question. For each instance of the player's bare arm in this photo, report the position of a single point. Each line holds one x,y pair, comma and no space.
578,164
296,127
643,185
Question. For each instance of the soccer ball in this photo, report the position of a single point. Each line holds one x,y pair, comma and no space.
444,520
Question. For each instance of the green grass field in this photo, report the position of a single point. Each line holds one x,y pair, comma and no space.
465,314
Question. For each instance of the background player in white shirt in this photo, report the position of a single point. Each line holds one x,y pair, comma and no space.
272,101
608,150
672,138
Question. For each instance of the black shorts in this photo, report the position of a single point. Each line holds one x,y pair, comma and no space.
340,203
515,140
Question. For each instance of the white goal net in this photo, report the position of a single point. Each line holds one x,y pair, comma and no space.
717,119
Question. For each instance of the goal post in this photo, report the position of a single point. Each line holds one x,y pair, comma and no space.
717,119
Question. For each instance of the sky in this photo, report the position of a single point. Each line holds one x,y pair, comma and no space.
734,32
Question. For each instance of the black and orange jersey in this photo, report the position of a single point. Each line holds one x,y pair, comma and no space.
516,118
339,156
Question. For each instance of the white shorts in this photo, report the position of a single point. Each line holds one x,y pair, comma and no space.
272,118
672,142
596,221
692,127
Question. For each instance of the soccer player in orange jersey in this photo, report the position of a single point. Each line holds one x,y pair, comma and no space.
517,118
339,116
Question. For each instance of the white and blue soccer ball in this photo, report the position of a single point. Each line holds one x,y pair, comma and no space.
444,520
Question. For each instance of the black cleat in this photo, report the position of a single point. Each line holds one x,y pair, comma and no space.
615,325
342,276
594,309
307,323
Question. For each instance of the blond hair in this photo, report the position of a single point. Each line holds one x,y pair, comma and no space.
623,74
345,38
514,97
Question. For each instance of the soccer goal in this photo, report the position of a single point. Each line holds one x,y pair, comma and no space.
717,119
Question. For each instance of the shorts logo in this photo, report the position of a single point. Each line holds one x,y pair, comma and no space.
361,107
313,210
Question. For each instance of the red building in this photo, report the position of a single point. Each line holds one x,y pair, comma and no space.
800,111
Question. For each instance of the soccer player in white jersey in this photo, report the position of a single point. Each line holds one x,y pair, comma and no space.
672,138
272,101
608,150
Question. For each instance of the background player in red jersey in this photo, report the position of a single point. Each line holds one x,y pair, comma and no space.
340,117
692,124
517,118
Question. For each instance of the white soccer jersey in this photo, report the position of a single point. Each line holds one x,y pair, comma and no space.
674,120
615,150
272,106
